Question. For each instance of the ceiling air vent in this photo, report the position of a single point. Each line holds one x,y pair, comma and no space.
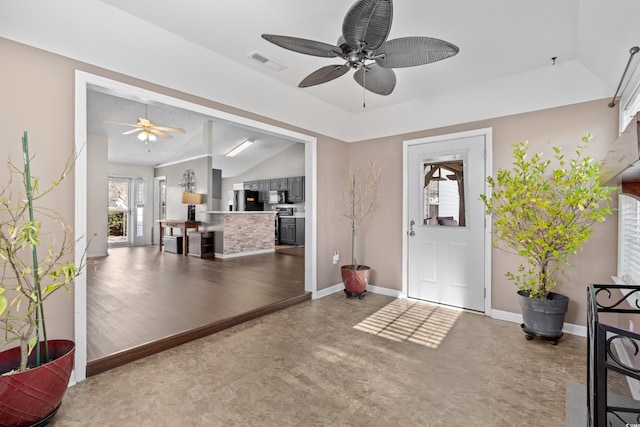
264,60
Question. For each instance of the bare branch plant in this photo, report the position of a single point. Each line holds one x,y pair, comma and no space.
360,198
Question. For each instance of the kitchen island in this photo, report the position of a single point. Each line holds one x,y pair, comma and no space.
240,233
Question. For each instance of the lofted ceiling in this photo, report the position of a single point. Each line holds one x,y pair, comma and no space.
106,114
504,65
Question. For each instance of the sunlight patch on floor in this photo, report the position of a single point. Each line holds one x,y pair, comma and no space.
413,321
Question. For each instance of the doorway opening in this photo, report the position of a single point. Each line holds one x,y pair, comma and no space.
86,82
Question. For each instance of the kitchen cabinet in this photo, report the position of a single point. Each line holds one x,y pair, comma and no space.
263,190
294,186
295,189
287,231
279,184
291,231
252,185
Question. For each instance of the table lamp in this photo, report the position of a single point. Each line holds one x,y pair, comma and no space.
191,200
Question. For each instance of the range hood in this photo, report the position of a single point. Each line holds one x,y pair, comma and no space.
622,160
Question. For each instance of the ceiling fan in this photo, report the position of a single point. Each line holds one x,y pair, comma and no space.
365,48
148,130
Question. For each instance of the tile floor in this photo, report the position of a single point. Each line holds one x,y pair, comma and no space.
342,362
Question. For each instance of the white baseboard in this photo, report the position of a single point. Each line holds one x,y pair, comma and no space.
568,328
370,288
239,254
385,291
328,291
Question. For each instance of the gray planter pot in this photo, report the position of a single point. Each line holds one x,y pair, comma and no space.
543,318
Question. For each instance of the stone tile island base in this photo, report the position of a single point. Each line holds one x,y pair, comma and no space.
243,233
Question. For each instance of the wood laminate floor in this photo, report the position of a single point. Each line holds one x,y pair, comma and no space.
141,301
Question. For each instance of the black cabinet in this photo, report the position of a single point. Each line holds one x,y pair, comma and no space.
295,189
291,231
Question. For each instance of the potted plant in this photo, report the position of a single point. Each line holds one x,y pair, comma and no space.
360,197
34,375
545,217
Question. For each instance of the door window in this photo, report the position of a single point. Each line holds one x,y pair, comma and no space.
118,225
443,192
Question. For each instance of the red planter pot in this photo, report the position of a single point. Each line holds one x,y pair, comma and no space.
355,281
34,395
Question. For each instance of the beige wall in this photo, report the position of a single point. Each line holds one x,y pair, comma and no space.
38,95
543,129
333,229
37,90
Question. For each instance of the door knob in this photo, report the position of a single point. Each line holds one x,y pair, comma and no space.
411,233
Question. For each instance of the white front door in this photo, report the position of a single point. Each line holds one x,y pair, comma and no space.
446,221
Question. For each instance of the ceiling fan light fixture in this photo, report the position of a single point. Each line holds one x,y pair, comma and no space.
146,135
240,148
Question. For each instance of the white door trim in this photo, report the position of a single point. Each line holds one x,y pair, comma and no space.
85,81
156,207
488,137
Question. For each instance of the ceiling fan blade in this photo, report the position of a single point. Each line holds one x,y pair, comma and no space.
122,124
143,122
368,22
324,75
376,79
412,51
168,129
161,134
308,47
129,132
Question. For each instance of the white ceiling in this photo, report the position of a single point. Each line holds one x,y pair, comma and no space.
200,47
497,38
104,111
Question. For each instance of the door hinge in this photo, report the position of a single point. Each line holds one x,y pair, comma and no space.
485,292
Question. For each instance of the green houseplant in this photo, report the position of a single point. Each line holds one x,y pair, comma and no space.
545,216
33,266
360,199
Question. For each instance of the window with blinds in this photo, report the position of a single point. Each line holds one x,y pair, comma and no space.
629,274
629,239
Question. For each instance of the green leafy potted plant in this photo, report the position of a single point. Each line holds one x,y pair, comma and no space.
360,197
545,217
34,375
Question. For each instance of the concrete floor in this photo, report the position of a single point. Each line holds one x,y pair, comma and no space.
342,362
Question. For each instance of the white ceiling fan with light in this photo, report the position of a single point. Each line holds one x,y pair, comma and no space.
148,130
